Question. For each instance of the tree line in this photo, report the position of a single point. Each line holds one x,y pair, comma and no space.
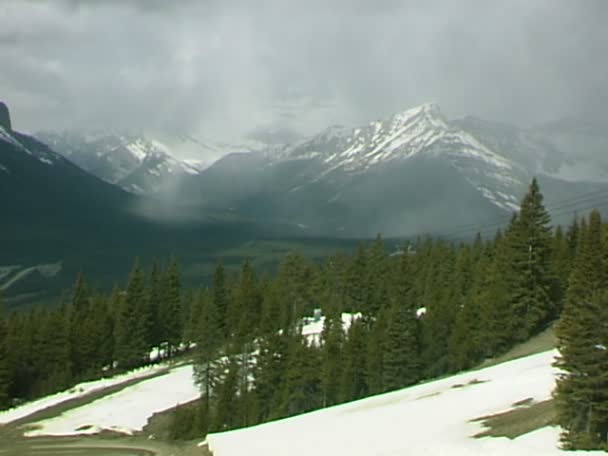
430,309
90,334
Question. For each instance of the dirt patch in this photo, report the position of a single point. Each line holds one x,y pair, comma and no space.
475,381
527,417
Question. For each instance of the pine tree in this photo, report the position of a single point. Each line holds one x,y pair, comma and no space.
208,340
226,412
357,285
401,354
54,352
582,390
130,349
154,326
173,318
269,370
301,385
493,298
534,293
220,301
353,382
332,340
80,342
375,353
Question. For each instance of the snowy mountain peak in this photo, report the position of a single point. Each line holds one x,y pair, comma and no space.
419,132
131,160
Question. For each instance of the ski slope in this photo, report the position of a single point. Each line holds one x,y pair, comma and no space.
430,419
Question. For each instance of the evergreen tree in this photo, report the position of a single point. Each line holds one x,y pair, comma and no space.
356,287
582,390
332,340
226,413
80,341
130,349
534,294
154,326
54,353
208,340
269,370
493,298
353,382
375,353
401,354
301,385
220,301
173,317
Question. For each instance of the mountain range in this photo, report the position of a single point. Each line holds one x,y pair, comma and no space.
54,212
413,173
98,200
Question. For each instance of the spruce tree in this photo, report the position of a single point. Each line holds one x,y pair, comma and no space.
208,340
80,342
173,318
582,339
401,353
130,349
302,384
269,370
353,382
154,326
332,340
534,293
54,352
220,301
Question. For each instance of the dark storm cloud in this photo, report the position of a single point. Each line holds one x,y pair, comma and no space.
224,68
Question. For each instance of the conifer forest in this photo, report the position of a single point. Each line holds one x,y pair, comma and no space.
432,308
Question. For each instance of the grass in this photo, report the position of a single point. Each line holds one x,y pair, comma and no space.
540,343
526,417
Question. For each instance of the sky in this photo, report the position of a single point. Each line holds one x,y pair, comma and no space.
228,69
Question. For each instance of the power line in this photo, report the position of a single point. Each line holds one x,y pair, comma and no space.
582,198
562,208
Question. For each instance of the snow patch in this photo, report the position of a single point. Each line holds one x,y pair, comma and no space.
430,419
77,391
126,411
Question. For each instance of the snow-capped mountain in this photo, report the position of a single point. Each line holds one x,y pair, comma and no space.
419,132
399,175
132,161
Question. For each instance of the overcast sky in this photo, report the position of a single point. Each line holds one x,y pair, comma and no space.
223,68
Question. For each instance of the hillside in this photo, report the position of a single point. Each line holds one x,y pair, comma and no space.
431,418
435,418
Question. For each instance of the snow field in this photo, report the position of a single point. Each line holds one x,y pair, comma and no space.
77,391
430,419
126,411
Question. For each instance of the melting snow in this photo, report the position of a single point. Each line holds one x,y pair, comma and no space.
78,391
128,410
430,419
